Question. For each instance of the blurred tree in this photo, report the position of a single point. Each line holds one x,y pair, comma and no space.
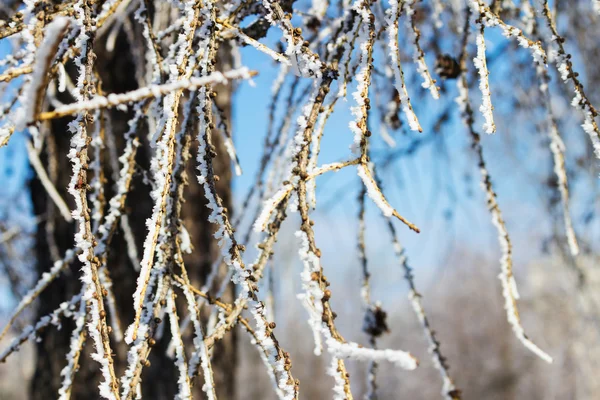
116,68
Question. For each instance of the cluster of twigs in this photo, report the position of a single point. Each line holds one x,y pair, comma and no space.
328,51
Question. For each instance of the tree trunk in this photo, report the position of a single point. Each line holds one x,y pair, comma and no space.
55,236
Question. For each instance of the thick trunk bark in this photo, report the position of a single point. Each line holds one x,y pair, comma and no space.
159,380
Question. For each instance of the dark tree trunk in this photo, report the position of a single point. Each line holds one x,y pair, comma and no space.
54,236
207,251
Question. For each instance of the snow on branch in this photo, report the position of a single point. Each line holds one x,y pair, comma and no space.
31,331
33,293
183,380
374,192
564,64
78,338
33,95
93,293
154,91
507,279
392,15
418,53
484,85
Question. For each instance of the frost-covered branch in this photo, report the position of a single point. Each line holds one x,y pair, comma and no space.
115,100
564,65
507,279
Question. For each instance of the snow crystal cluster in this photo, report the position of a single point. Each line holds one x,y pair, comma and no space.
484,85
304,62
312,298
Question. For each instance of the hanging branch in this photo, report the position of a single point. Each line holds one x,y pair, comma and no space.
374,319
78,338
32,331
392,16
484,85
84,238
565,68
418,53
449,389
162,162
509,287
